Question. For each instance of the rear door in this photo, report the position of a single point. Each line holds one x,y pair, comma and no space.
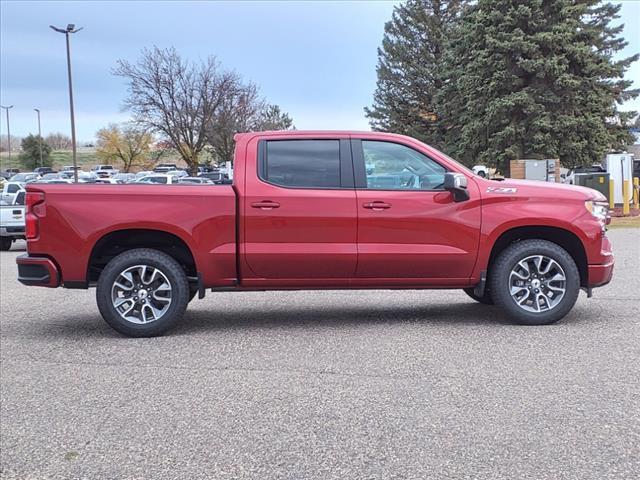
300,208
409,227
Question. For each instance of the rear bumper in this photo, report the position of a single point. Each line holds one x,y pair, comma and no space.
37,271
12,231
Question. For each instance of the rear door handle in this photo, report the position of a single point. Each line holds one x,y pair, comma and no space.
377,205
266,205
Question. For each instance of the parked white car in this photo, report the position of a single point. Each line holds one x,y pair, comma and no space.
177,173
158,179
195,181
25,177
481,171
120,178
60,181
87,177
165,167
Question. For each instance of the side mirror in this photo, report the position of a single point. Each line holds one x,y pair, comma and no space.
456,183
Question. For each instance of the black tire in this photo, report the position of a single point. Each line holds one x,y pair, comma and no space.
485,299
5,243
482,174
152,258
507,260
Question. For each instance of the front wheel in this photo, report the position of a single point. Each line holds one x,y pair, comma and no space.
142,293
535,281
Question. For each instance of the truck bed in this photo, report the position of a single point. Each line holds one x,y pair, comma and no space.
77,217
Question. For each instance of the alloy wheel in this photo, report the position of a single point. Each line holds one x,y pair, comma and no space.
537,283
141,294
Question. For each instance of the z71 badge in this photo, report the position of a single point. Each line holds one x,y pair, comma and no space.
502,190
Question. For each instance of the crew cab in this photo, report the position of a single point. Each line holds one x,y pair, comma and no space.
320,210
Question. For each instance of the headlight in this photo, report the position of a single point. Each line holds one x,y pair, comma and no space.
600,210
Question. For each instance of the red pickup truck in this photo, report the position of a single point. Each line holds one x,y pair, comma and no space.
320,210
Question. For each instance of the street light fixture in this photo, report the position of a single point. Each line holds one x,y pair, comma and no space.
8,130
71,28
39,136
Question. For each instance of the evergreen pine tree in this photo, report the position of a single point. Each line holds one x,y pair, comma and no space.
535,79
408,62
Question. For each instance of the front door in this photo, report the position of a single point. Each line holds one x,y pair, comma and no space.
409,227
300,209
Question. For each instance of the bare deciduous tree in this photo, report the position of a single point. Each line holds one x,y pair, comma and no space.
243,110
58,141
15,143
237,113
175,97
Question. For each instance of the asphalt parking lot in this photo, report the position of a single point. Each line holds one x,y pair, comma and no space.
323,385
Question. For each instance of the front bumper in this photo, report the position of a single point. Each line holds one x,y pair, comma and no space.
37,271
600,275
601,271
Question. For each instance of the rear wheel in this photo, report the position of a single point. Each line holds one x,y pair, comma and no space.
5,243
485,299
535,281
142,293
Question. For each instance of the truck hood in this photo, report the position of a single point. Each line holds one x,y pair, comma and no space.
533,188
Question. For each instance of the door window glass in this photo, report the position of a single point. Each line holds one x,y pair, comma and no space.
391,166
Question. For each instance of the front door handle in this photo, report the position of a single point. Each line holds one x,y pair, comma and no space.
377,205
266,205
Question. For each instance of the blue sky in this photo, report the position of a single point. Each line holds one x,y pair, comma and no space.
315,59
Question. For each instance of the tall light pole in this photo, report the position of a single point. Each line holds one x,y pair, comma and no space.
71,28
39,135
8,130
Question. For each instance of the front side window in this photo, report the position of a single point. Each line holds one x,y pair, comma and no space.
391,166
302,163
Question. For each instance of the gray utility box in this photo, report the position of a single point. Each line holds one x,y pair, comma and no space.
598,181
542,170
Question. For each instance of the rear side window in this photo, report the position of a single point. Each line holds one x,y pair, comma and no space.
302,163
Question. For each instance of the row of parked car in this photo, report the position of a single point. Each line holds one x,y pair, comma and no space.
13,182
167,173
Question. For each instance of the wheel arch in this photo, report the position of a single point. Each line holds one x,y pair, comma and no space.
560,236
118,241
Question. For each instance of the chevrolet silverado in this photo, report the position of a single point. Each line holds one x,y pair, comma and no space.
320,210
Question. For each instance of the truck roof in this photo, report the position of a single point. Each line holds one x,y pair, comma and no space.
306,133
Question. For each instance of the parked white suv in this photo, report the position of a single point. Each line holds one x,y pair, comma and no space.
105,171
